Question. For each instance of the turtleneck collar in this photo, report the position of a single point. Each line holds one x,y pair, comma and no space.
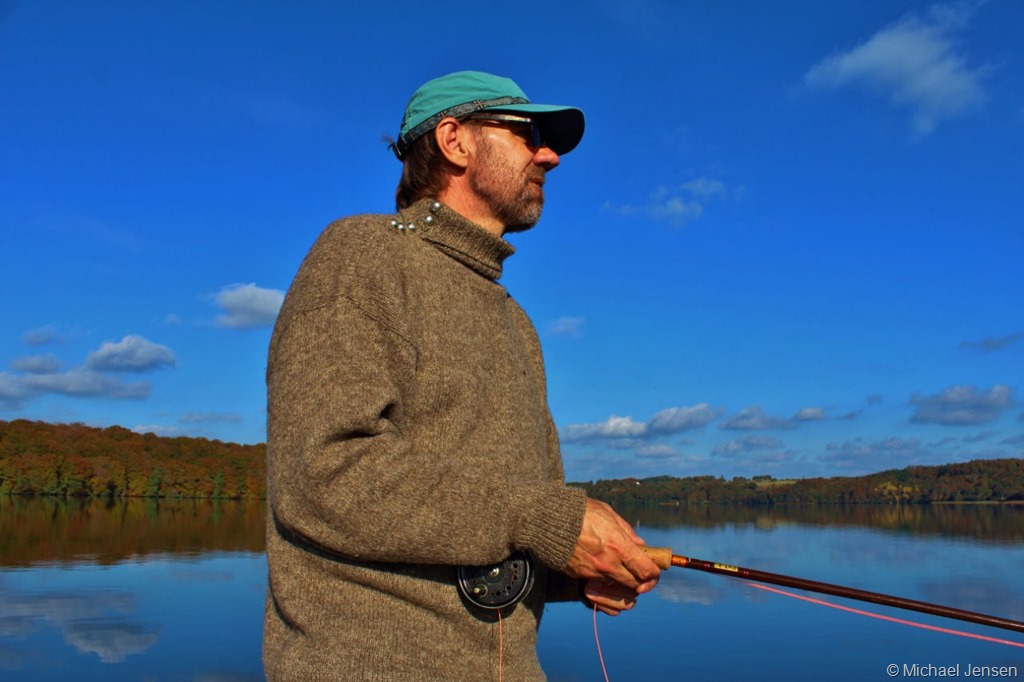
459,238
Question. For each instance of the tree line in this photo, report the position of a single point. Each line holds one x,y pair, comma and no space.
983,480
995,522
75,460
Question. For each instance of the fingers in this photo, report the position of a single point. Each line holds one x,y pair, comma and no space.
642,568
609,598
609,549
639,569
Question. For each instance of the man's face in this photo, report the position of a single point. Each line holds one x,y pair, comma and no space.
509,173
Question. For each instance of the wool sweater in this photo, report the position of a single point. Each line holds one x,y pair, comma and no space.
408,434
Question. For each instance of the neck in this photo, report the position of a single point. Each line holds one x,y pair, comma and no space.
466,203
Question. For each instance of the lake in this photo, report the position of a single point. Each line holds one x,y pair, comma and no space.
173,590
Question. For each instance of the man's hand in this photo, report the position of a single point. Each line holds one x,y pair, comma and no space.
609,598
608,557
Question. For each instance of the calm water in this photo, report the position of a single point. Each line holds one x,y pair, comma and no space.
174,591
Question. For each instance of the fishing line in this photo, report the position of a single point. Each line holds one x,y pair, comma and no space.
891,619
501,649
664,558
597,641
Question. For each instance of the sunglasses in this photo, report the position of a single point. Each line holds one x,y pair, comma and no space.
534,138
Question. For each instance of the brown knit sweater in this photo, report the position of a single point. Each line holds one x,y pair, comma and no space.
408,433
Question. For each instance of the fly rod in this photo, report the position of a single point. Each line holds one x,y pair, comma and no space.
664,558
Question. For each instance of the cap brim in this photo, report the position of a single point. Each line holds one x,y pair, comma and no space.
562,127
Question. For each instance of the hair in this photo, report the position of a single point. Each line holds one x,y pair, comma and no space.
424,172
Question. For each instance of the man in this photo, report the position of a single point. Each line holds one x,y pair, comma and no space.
408,426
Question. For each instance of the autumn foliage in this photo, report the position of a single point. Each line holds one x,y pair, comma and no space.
75,460
982,480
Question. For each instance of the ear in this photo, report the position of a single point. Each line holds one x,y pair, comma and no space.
455,141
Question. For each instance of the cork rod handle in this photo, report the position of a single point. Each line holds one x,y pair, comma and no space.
662,556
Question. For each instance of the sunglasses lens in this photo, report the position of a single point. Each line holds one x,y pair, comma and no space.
536,137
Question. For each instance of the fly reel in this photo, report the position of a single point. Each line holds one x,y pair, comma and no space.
499,585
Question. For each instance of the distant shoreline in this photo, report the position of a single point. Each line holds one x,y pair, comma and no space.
79,461
983,481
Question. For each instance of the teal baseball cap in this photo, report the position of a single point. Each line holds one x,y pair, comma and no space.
467,92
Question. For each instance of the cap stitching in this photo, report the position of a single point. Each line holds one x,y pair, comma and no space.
405,141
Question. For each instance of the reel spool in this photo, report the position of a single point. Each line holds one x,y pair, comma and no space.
499,585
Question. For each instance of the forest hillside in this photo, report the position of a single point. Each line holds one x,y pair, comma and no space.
75,460
981,480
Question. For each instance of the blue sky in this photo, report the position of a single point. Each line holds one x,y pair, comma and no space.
790,243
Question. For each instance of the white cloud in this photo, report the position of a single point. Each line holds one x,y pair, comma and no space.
755,417
83,382
209,418
613,427
861,453
188,423
36,364
993,344
978,437
959,405
676,211
676,419
566,326
40,375
247,306
810,414
703,187
658,451
133,353
915,64
746,444
12,392
678,205
78,382
668,421
40,336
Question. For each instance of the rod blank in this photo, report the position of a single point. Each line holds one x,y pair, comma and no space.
664,558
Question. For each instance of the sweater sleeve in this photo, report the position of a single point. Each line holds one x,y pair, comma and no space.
346,479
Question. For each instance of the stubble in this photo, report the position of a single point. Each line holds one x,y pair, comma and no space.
515,195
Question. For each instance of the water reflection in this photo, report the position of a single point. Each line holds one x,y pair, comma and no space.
685,590
173,590
137,590
105,532
96,622
991,522
701,626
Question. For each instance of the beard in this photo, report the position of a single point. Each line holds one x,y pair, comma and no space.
514,195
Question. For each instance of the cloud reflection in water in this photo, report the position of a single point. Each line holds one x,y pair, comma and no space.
88,622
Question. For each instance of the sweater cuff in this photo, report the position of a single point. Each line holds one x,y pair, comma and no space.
552,523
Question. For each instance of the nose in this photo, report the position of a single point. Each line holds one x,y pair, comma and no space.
546,157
